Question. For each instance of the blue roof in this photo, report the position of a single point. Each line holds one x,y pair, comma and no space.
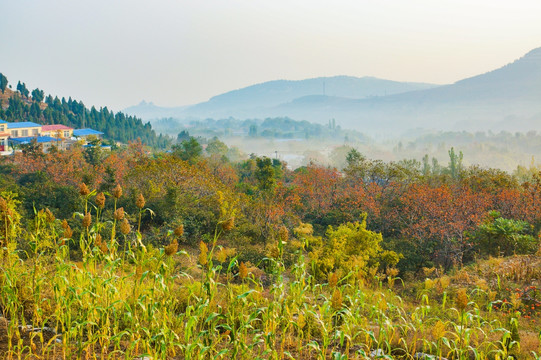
3,122
28,139
102,146
86,132
23,124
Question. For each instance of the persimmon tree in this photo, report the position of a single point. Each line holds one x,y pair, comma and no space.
440,218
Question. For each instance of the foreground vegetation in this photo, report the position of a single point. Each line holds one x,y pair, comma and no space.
117,297
186,255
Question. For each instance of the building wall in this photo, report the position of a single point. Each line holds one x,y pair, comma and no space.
60,134
23,132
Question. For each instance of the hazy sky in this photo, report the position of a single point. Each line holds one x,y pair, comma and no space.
116,53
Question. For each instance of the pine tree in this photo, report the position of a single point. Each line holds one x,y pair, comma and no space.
3,82
38,95
21,88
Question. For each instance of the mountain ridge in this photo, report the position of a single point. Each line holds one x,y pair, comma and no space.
254,98
512,91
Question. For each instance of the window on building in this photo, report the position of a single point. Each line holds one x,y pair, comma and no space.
15,133
66,134
24,132
2,129
35,132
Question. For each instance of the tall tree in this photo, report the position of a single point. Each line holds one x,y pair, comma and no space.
188,150
183,135
455,163
216,147
38,95
265,173
93,153
21,87
3,82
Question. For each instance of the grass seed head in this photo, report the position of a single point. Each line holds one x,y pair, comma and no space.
283,234
273,251
49,217
243,271
204,252
87,220
443,283
172,248
65,224
140,202
179,230
3,204
333,279
101,244
83,189
100,200
336,300
68,233
119,214
98,240
228,224
117,192
461,299
438,331
125,227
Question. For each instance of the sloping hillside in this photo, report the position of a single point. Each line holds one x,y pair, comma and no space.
116,126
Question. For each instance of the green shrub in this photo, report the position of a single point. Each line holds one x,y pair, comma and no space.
499,236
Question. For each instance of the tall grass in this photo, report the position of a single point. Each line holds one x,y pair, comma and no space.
121,298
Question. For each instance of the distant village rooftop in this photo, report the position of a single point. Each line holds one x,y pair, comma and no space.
45,128
28,139
86,132
23,124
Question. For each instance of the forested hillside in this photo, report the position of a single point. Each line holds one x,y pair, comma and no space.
278,128
23,105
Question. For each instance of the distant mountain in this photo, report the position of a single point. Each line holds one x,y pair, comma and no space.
147,111
520,80
256,100
508,98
